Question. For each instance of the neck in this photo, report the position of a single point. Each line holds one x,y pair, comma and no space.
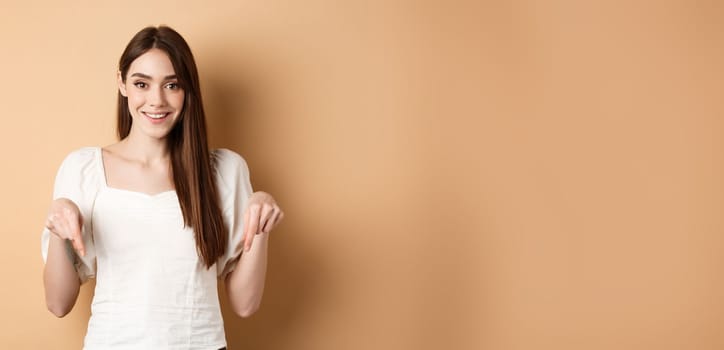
146,150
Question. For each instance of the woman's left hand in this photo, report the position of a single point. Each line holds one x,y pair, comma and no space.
261,216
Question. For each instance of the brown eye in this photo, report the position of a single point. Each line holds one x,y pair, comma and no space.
172,86
140,84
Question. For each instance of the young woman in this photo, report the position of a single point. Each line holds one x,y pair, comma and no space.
157,218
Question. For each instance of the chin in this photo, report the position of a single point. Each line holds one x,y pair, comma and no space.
160,135
154,131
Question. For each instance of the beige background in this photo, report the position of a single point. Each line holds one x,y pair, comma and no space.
456,175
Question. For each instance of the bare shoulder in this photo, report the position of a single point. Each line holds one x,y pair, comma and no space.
112,151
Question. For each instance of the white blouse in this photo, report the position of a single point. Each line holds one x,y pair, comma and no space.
152,290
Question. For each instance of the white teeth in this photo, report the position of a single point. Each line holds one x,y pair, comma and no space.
156,116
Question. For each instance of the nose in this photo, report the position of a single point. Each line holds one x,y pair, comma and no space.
156,97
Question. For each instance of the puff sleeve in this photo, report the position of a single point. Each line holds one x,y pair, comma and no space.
78,179
234,185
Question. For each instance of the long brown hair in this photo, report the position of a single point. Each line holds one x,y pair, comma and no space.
192,170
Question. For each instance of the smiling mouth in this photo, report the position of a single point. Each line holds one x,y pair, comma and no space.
155,115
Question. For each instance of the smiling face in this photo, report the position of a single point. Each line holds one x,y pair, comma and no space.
155,98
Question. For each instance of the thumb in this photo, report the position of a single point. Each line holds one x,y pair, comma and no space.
76,227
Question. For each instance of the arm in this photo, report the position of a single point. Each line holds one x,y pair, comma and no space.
245,284
60,278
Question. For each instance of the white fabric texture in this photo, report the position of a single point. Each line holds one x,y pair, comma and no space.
152,290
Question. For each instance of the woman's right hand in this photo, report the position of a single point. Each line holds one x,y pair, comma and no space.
65,221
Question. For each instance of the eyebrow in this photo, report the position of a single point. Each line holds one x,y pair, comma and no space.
145,76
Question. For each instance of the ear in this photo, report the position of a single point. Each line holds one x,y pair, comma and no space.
121,84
